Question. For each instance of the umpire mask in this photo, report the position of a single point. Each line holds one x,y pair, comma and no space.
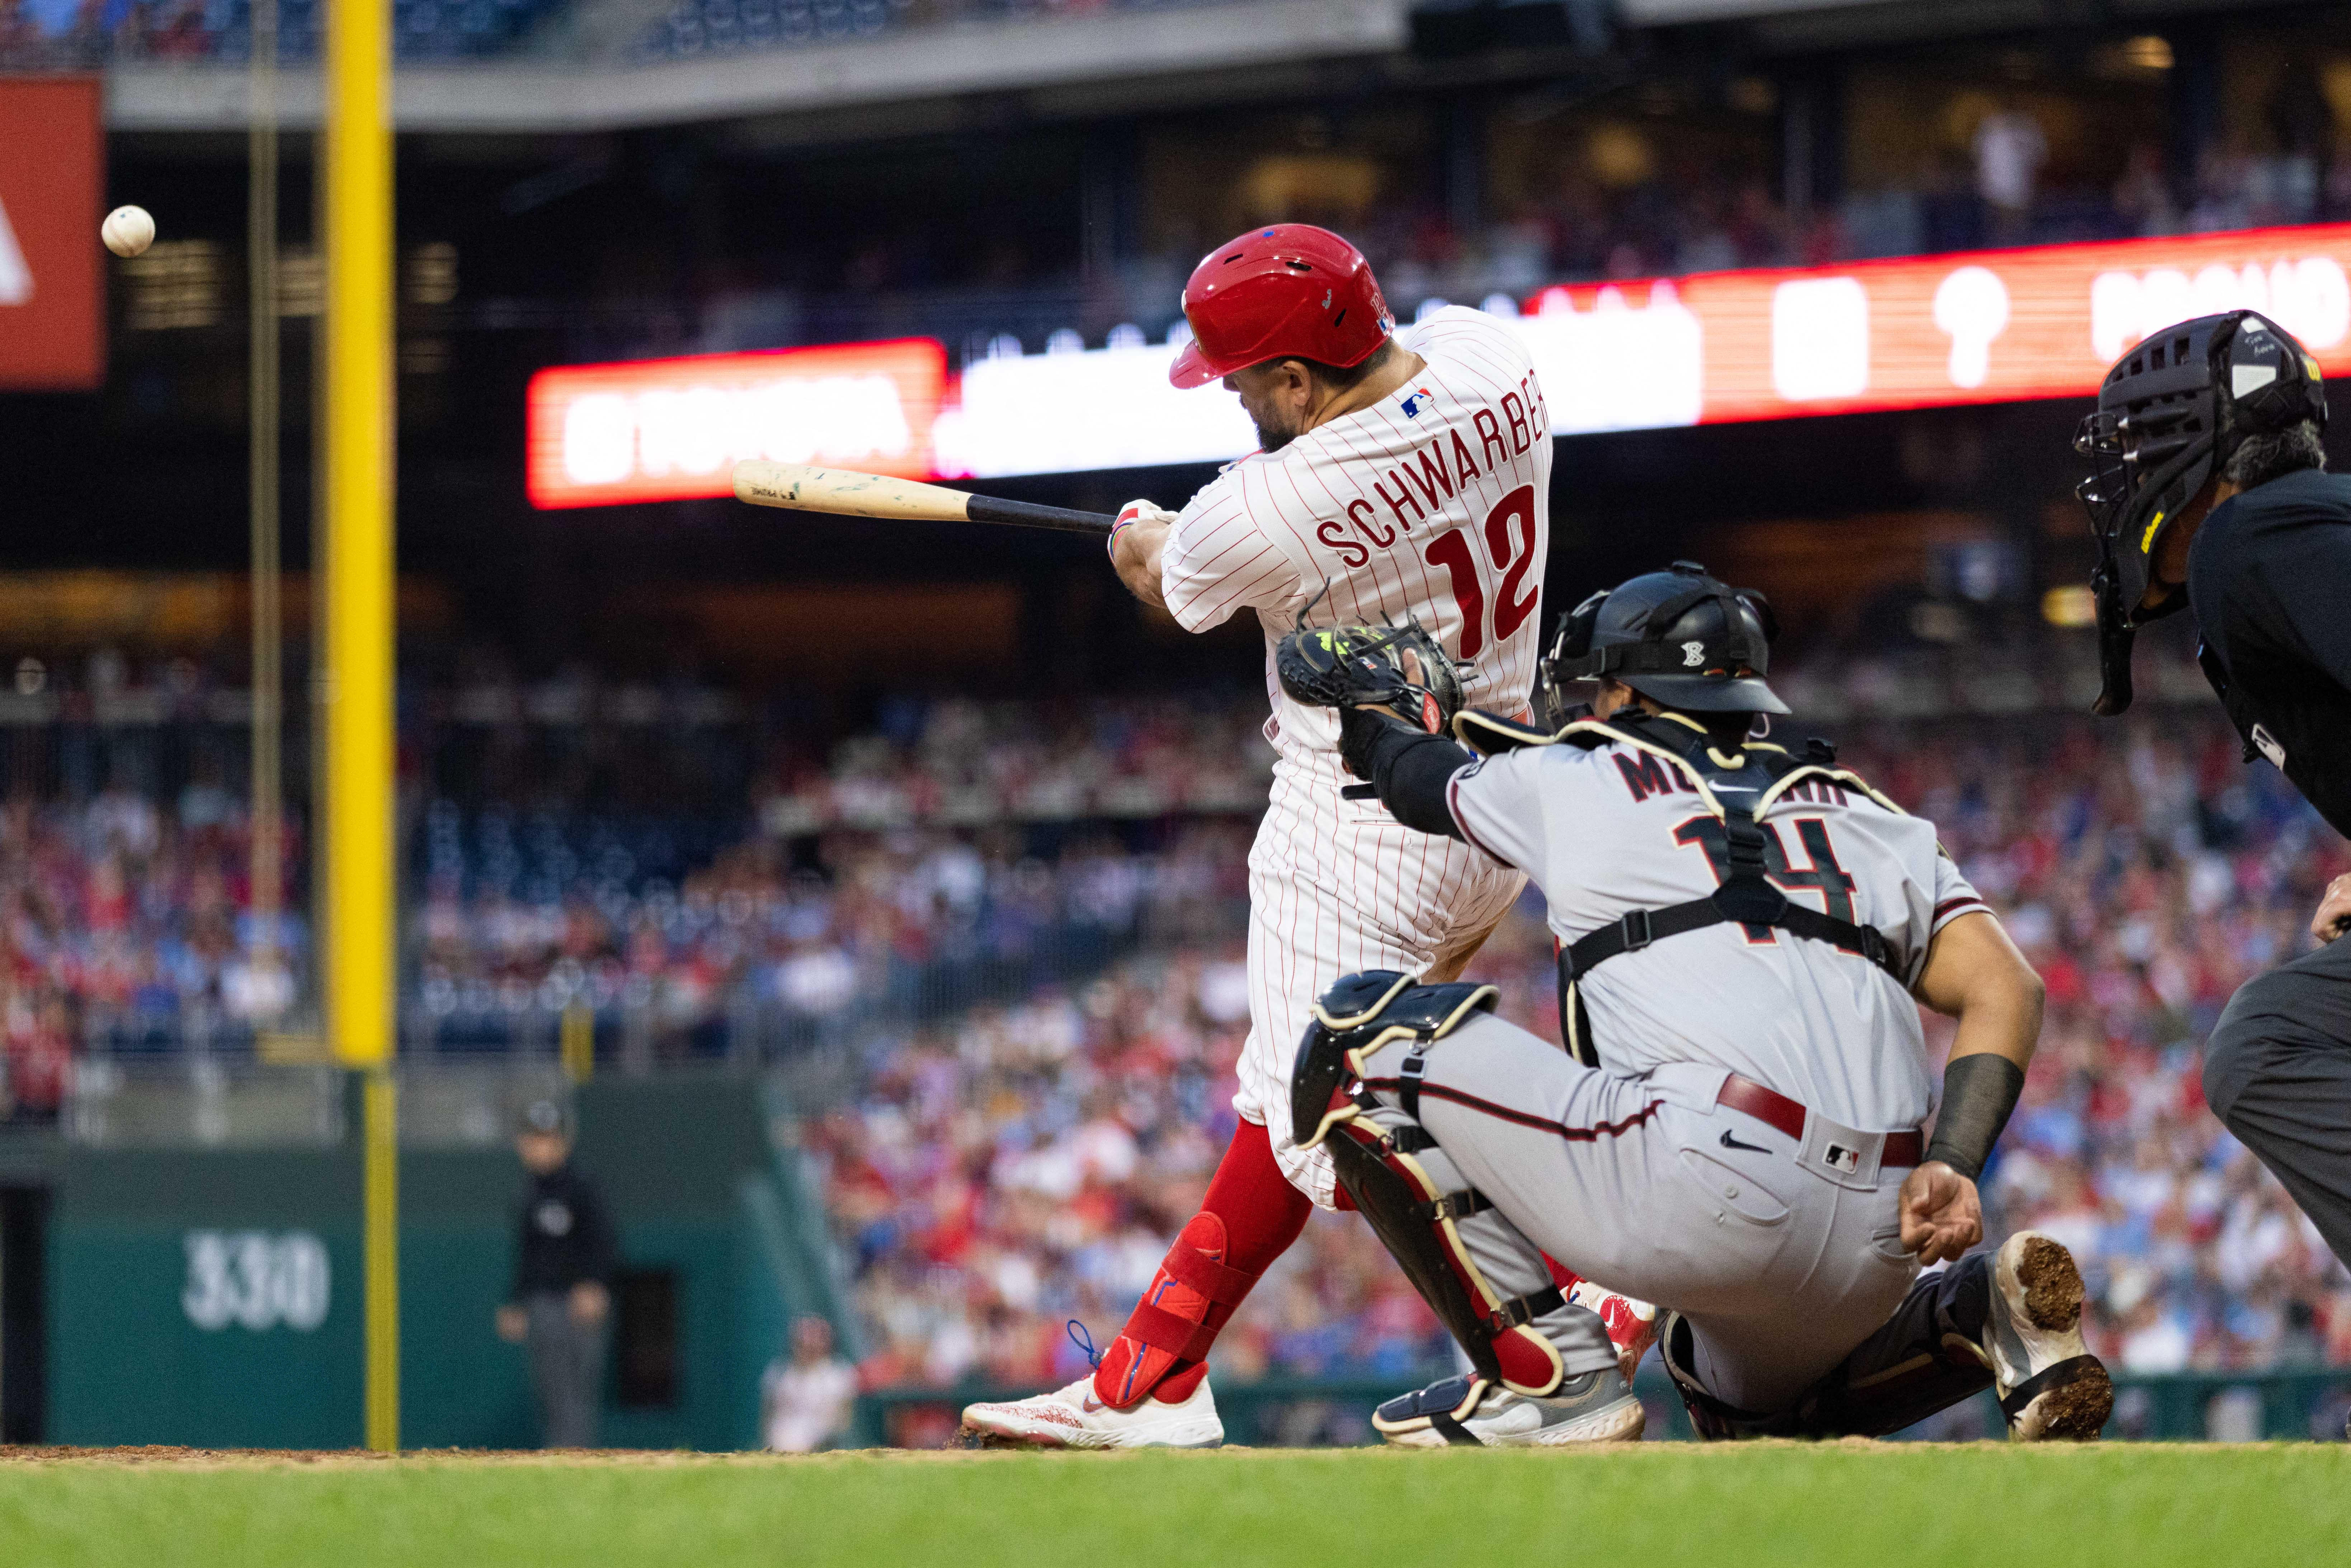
1678,636
2171,414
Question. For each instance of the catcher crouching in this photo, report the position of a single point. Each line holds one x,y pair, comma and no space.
1736,1128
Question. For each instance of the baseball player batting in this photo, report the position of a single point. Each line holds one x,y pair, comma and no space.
1745,931
1403,475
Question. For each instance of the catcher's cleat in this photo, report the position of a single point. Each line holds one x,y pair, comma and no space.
1631,1324
1592,1408
2050,1388
1075,1418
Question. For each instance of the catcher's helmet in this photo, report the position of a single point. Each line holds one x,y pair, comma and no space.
2170,413
1678,636
1292,289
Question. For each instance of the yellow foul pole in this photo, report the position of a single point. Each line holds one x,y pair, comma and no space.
358,708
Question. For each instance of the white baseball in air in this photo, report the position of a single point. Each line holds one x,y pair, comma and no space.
1971,306
127,231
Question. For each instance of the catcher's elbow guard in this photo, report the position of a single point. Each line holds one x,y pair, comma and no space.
1376,1153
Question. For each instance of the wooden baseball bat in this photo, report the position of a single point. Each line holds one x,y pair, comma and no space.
798,488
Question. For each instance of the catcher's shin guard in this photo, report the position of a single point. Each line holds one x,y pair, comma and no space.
1407,1190
1713,1420
1919,1362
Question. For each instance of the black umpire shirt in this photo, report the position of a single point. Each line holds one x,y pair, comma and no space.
567,1238
2270,579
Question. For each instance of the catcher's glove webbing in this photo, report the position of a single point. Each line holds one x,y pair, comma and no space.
1346,667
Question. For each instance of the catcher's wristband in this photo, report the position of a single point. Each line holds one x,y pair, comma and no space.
1980,1090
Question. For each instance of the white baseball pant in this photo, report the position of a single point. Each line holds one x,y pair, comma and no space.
1337,886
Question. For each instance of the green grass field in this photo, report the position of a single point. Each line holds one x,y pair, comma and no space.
1869,1505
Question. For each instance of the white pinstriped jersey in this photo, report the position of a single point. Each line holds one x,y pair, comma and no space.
1435,501
1610,831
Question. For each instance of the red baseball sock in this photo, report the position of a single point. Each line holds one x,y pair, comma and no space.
1248,1218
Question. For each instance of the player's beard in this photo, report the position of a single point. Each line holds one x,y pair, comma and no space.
1271,438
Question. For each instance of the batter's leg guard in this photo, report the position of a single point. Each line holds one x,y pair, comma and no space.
1165,1345
1486,1283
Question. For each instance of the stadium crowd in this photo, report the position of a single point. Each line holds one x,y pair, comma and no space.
959,851
83,35
127,924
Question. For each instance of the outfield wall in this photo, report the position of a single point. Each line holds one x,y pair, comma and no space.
212,1297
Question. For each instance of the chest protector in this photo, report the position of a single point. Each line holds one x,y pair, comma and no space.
2259,741
1737,787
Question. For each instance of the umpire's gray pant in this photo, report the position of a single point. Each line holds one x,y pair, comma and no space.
2277,1072
567,1370
1782,1263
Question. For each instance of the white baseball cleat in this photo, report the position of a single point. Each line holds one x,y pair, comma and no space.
1595,1407
2050,1388
1073,1417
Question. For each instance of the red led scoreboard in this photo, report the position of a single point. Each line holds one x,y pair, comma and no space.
1919,332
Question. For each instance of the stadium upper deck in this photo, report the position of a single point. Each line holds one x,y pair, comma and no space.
579,65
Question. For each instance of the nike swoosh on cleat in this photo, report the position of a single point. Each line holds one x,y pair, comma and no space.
1730,1143
1090,1404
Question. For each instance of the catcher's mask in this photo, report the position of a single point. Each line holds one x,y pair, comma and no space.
2170,414
1678,636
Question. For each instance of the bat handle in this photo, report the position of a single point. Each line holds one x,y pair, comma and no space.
1029,515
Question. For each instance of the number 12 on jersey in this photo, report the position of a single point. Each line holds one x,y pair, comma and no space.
1507,541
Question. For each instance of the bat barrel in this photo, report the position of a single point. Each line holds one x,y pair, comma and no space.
799,488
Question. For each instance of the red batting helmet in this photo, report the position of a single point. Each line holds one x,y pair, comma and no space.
1289,290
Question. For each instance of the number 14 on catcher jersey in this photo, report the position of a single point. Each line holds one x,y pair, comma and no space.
1433,502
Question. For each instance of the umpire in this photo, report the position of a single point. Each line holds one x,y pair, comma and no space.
2209,491
563,1270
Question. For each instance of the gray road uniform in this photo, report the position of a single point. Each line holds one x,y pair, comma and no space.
1747,1102
1783,1250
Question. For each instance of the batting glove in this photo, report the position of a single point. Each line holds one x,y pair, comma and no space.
1137,512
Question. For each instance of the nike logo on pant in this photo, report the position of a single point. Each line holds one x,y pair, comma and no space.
1730,1143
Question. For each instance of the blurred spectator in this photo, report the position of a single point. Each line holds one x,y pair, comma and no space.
806,1399
2143,195
2010,150
564,1262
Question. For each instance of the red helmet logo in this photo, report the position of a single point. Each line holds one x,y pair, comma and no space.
1289,290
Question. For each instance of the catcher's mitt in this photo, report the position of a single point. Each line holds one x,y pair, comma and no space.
1348,667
